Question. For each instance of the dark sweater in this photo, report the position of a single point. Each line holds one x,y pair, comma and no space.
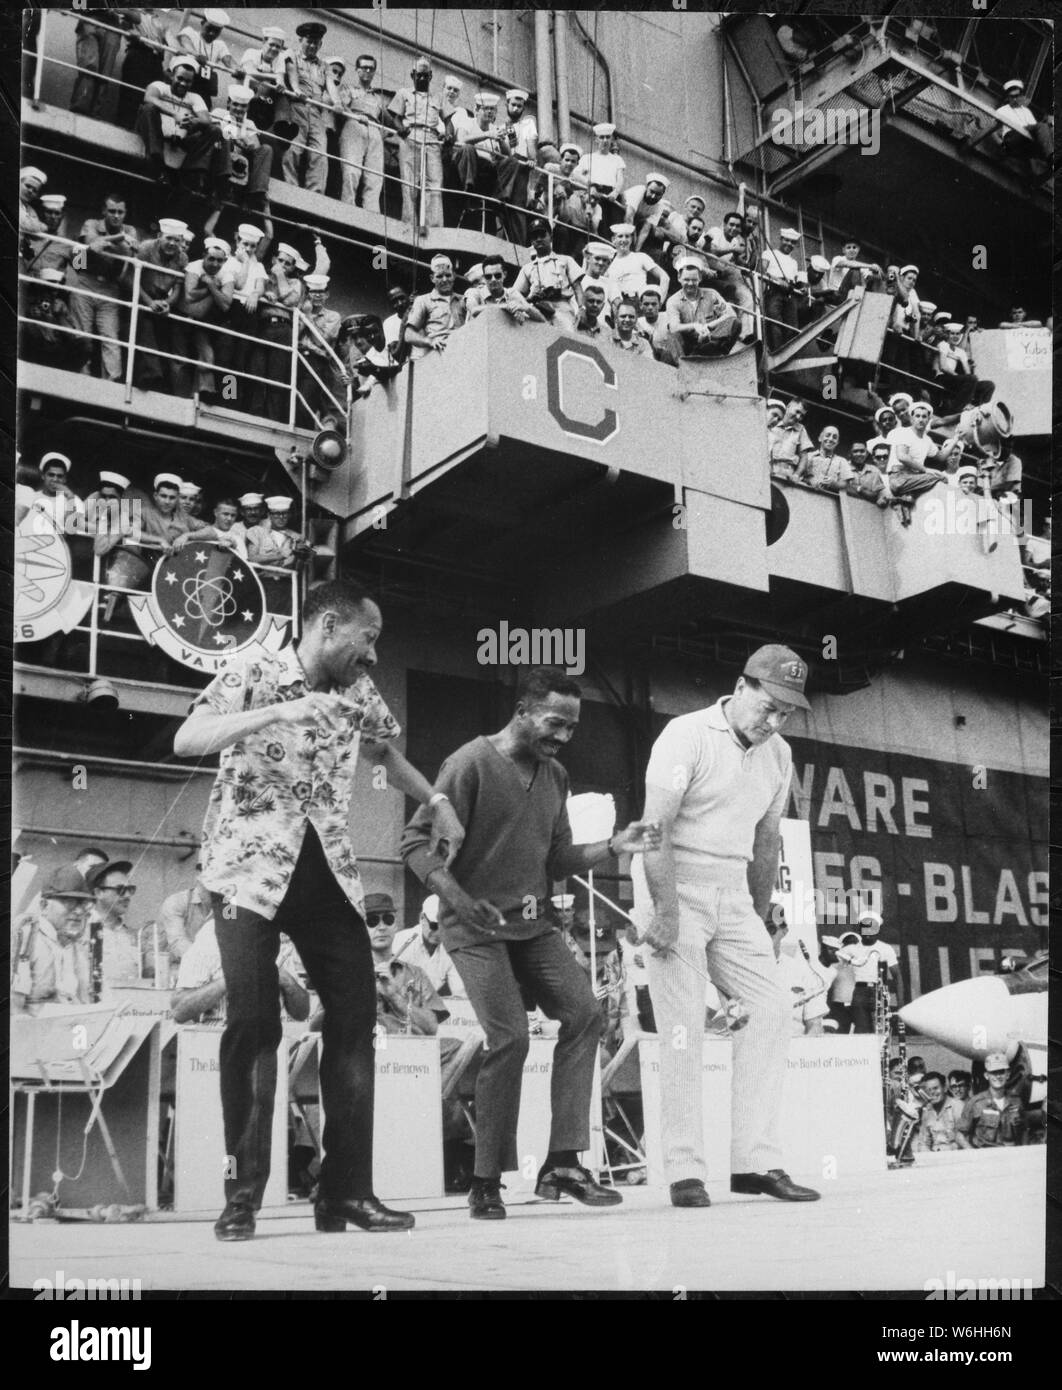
517,841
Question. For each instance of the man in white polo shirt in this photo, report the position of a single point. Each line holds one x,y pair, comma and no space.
717,783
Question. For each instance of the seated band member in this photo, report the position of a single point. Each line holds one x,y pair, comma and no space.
510,792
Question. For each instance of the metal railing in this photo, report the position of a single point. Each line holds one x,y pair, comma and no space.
129,347
98,624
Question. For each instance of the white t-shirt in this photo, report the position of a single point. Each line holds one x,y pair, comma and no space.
866,960
919,449
628,274
777,265
603,169
1020,116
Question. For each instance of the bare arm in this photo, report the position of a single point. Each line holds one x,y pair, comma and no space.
205,731
447,830
662,806
190,1004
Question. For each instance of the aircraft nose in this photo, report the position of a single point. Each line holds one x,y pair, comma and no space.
972,1016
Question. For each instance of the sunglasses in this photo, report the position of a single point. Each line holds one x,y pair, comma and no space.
374,918
124,890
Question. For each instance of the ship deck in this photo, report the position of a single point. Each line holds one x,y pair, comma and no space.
977,1215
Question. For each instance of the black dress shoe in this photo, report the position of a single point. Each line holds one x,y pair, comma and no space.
689,1193
236,1222
484,1200
331,1214
775,1183
577,1182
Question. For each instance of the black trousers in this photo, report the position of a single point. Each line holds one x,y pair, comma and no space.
334,946
864,1007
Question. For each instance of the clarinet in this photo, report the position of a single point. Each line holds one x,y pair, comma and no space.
95,960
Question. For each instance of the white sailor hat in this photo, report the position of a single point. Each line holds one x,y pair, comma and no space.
184,60
905,268
278,504
928,307
695,261
172,226
60,459
218,17
170,478
1014,85
486,99
788,234
695,198
52,275
881,411
658,178
32,172
900,397
188,236
604,128
623,229
271,31
451,81
942,314
315,283
569,146
285,250
774,401
116,479
953,327
216,243
515,93
249,231
600,248
438,261
189,489
335,61
966,471
55,201
819,263
239,93
474,274
251,499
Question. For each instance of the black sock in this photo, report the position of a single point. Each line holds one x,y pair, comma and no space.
562,1158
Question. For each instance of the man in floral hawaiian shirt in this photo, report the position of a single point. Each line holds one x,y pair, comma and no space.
277,857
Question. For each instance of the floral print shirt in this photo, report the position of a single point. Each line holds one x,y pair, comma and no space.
271,783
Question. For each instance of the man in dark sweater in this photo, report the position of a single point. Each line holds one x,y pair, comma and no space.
511,795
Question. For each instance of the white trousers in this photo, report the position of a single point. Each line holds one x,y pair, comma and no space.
718,927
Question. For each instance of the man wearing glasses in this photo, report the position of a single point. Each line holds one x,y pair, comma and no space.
51,965
492,294
360,112
994,1119
114,946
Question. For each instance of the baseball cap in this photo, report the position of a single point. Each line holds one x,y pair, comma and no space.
122,866
379,902
67,882
430,907
781,673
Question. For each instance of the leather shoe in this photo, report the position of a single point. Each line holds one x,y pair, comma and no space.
576,1182
689,1193
775,1183
484,1200
236,1222
331,1215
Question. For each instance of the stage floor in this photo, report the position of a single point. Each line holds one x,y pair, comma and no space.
979,1215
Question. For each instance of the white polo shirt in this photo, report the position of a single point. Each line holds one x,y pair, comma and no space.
728,789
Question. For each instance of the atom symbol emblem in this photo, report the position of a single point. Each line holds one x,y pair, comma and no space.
208,598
